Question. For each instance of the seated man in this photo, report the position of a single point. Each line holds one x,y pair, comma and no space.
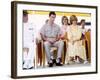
50,33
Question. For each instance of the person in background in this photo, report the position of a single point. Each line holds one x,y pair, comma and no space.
84,30
82,25
46,21
50,33
64,27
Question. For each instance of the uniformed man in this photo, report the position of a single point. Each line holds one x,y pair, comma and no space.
50,33
28,42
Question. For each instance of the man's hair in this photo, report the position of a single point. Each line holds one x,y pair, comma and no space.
52,13
25,13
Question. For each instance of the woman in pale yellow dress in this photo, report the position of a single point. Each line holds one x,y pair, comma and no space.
75,50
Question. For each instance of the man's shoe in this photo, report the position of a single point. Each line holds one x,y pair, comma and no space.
54,61
50,64
30,68
24,68
58,62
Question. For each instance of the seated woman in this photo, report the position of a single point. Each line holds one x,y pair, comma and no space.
75,51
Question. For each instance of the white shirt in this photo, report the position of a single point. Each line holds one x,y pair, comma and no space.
28,32
83,30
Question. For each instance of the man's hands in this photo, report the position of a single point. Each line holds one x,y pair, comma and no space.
52,40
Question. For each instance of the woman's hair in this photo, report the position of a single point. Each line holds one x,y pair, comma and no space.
73,18
64,17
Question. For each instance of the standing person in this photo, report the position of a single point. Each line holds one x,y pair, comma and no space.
75,50
28,42
82,25
64,27
84,31
50,33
